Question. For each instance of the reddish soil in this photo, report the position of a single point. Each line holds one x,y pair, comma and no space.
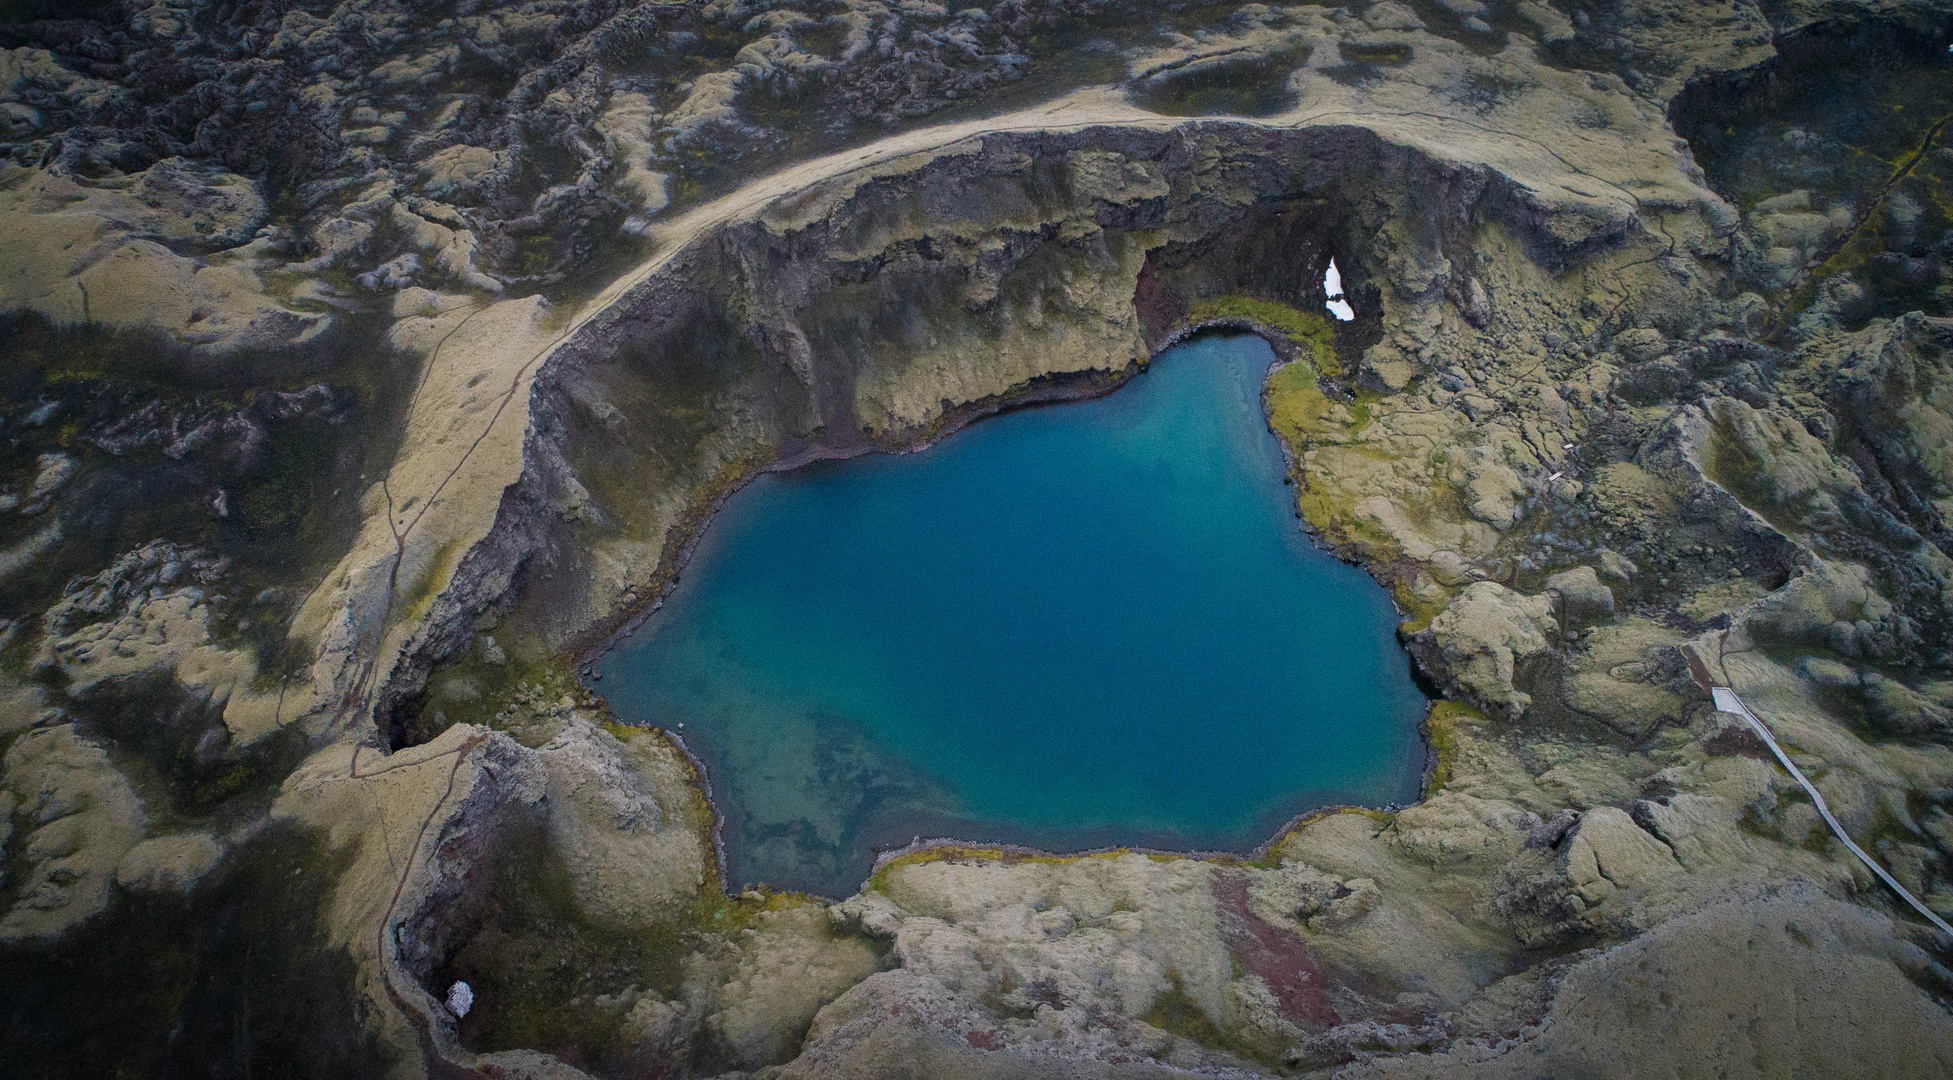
1279,957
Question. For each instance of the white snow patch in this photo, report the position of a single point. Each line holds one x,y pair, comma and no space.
461,998
1332,287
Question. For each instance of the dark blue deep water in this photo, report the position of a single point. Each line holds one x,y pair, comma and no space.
1074,626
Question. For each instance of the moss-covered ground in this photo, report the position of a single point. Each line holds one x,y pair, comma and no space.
172,745
1311,332
1299,412
1007,856
547,975
236,979
1854,115
1441,726
256,458
1175,1012
1256,87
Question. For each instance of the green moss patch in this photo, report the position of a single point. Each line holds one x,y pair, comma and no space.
1441,726
1295,403
1175,1012
548,976
1251,87
1311,331
173,745
1363,62
1390,54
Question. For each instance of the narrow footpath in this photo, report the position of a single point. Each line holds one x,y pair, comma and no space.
1728,702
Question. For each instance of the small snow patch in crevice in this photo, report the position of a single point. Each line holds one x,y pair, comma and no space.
1332,287
461,998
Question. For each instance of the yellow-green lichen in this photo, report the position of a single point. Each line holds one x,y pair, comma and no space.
1296,404
1441,732
1175,1012
427,585
958,853
1418,610
1278,847
1300,413
1310,331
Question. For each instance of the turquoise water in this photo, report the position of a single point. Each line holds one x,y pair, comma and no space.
1072,626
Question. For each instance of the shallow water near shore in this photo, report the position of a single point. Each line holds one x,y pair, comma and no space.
1068,627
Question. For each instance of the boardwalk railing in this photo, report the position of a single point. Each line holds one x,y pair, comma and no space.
1727,701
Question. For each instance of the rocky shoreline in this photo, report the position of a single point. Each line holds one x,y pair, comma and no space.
1056,391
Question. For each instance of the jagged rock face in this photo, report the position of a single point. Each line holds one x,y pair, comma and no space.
1590,413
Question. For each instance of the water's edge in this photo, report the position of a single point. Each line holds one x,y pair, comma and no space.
601,639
